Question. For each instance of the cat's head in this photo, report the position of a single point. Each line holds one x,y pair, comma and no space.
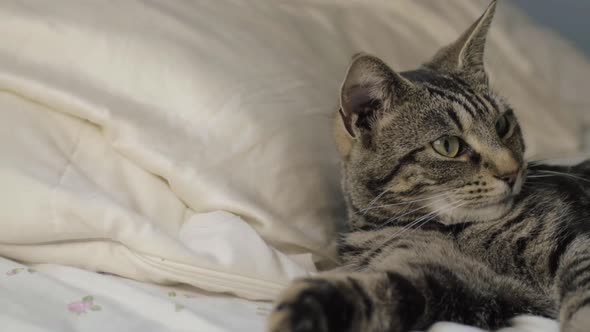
436,136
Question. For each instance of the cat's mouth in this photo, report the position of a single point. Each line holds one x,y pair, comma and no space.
504,200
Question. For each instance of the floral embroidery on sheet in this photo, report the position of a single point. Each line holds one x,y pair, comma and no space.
263,310
15,271
82,307
18,270
177,306
185,295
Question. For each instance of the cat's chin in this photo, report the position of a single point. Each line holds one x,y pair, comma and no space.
480,212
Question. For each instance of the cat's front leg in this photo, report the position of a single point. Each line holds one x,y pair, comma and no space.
371,302
573,287
419,291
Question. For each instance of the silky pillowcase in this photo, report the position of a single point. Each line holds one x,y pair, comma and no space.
233,99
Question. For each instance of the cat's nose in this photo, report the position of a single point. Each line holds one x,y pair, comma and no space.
509,178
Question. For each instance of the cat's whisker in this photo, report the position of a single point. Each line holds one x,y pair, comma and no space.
434,215
421,221
372,202
569,175
539,162
428,217
531,184
444,194
408,226
396,218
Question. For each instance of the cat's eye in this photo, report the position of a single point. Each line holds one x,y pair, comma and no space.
448,146
503,126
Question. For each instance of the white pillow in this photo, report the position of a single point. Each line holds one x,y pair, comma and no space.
230,102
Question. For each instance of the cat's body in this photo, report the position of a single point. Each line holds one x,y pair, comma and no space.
447,221
524,250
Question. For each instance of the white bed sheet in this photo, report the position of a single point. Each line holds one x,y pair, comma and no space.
49,297
59,298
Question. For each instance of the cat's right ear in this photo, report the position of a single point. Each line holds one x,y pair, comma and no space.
370,88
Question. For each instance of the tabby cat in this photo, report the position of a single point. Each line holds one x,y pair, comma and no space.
447,221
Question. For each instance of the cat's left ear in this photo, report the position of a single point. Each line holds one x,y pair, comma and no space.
466,54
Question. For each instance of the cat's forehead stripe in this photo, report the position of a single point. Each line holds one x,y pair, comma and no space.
452,97
475,106
456,90
463,89
453,116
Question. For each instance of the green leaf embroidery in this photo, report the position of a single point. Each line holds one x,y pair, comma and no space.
95,308
172,294
31,270
15,271
88,298
178,307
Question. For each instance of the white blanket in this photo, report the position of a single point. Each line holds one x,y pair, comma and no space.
68,197
108,179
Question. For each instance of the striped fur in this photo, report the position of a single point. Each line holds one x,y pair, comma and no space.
477,238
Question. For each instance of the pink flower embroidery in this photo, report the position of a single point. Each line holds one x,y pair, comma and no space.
81,307
15,271
18,270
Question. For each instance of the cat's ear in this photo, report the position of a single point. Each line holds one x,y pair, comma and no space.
370,88
466,54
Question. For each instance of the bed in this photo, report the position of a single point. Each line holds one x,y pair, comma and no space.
48,297
169,166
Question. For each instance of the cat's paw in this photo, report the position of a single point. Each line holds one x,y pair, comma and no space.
313,305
